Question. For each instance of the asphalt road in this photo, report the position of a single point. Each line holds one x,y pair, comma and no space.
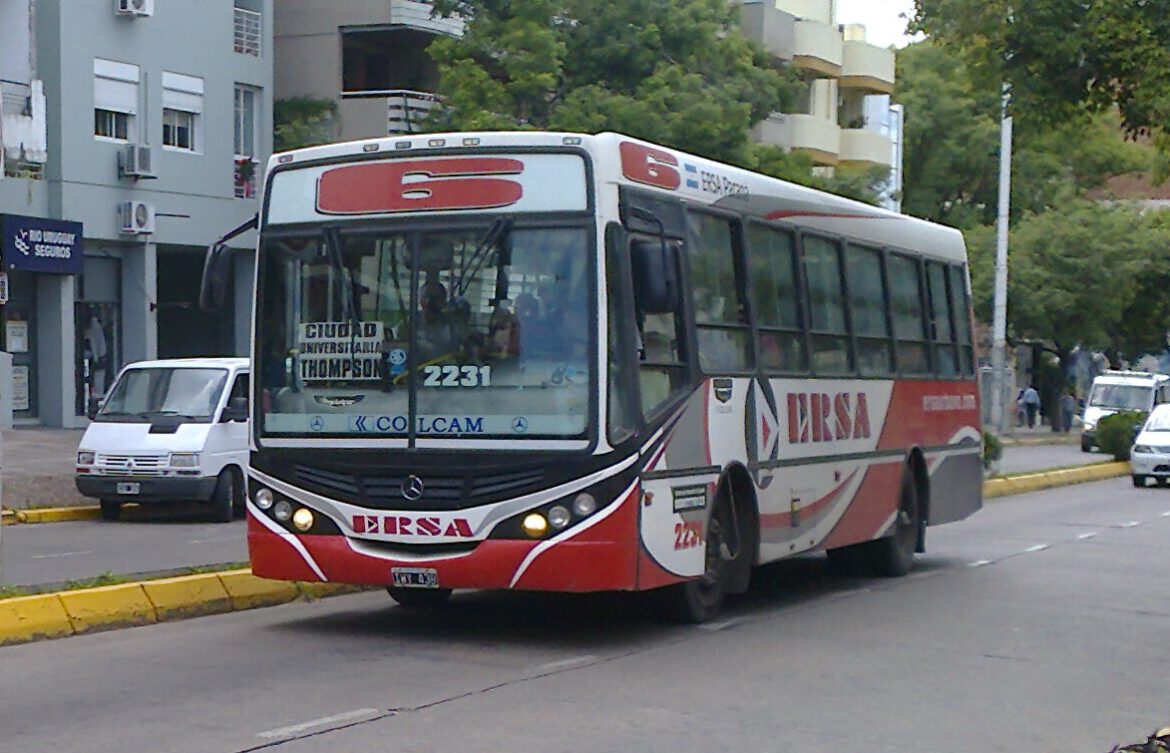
1039,624
170,539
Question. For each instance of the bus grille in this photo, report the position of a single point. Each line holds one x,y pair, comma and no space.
441,491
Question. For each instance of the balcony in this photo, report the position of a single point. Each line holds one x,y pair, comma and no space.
867,67
23,139
772,28
815,136
818,48
247,32
406,109
861,146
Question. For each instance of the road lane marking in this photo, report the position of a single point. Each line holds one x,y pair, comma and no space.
723,624
1084,536
60,554
1037,548
294,729
575,661
1130,524
979,563
1166,514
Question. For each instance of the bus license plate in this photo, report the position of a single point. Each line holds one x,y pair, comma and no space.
128,487
415,577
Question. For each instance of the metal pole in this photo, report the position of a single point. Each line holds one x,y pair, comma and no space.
999,321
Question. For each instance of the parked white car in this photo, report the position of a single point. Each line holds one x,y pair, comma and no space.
1150,456
170,431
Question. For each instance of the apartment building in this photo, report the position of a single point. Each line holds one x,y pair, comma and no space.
844,115
133,133
368,57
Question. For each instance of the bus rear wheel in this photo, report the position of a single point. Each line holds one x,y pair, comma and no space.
893,555
419,598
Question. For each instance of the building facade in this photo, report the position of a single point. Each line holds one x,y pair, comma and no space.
844,115
134,132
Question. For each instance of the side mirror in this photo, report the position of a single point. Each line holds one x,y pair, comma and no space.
236,410
216,268
655,267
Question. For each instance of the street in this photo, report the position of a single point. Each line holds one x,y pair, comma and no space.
1038,624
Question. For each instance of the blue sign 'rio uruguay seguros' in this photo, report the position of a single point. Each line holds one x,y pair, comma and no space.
35,244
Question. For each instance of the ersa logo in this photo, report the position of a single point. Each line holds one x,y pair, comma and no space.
821,417
407,525
420,185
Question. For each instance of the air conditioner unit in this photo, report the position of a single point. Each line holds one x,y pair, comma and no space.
136,161
137,218
134,7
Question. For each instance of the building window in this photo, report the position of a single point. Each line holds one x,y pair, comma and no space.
115,99
245,141
247,32
182,112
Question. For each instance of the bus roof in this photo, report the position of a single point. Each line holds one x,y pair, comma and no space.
621,160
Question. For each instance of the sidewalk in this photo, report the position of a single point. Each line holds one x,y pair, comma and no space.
38,468
1039,434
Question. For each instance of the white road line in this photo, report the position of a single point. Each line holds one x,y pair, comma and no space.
1084,536
722,624
979,563
1166,514
60,554
293,729
1037,548
1130,524
575,661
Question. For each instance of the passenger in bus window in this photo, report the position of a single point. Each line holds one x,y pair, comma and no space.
503,333
434,333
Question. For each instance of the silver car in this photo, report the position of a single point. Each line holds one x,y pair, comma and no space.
1150,456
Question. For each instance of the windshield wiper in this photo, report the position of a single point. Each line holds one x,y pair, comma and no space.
469,269
349,300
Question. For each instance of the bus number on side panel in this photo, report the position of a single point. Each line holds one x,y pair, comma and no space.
453,375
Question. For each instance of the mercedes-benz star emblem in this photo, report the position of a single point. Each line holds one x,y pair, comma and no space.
412,487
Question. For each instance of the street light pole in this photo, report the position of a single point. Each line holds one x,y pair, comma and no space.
999,319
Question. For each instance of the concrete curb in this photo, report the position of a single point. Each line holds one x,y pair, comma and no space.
57,615
1031,482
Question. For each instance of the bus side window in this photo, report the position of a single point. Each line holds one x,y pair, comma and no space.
721,321
831,351
906,310
867,301
662,370
775,300
942,332
961,313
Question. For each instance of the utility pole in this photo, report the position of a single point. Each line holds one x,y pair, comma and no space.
999,320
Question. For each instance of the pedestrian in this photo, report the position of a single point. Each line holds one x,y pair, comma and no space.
1031,404
1021,412
1068,406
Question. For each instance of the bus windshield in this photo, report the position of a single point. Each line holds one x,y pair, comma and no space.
476,332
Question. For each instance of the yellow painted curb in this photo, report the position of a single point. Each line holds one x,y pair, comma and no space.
28,618
108,606
248,591
187,596
57,514
7,517
1031,482
324,590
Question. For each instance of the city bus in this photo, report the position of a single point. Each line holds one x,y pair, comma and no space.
578,363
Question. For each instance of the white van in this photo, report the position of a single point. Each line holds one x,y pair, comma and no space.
170,431
1115,391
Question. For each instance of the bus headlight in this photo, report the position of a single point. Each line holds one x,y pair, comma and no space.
584,504
534,525
263,499
303,519
282,511
559,517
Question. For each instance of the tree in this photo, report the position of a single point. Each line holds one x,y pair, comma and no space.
675,72
952,146
1064,59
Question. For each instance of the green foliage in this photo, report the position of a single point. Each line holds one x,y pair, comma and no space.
675,72
303,121
1063,59
1115,433
992,449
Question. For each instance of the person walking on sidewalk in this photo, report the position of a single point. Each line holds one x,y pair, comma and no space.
1068,406
1031,404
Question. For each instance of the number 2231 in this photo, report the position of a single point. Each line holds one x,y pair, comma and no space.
452,375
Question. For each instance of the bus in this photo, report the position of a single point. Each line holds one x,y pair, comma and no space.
577,363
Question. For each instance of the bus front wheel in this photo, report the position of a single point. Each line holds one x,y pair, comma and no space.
700,599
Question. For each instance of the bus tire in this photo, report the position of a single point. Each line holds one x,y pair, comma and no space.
111,509
419,598
700,599
225,497
893,556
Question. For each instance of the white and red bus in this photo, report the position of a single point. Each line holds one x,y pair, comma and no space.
573,363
